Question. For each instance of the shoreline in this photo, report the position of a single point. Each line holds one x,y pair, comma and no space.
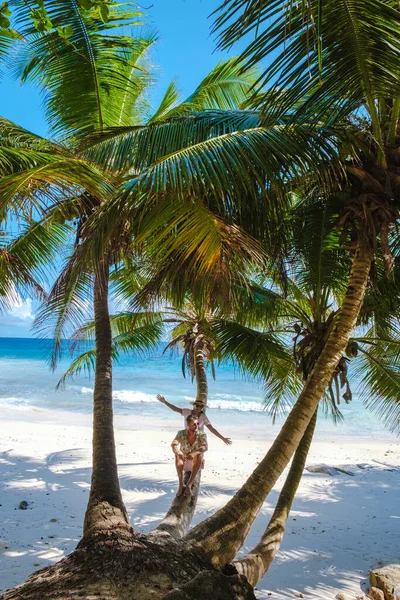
339,527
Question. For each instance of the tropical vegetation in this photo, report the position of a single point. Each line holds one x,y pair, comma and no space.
269,198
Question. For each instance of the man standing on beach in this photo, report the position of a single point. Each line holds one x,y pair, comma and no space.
189,456
199,412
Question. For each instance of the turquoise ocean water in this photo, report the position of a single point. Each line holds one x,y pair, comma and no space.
27,382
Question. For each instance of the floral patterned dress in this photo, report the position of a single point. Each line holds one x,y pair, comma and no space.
187,448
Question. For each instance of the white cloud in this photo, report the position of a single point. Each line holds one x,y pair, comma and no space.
20,315
22,309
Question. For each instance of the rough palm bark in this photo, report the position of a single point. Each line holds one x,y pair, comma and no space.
200,369
177,520
222,535
256,563
111,567
105,506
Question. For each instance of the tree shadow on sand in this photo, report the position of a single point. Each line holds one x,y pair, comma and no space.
333,523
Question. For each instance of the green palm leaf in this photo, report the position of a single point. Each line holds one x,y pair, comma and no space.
37,172
40,243
67,305
138,339
378,371
84,74
85,363
121,324
226,87
263,355
352,58
15,280
138,146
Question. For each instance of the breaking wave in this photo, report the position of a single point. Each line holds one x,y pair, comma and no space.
219,401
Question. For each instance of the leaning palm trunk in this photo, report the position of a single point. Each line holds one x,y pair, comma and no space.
256,563
200,371
105,507
222,535
177,520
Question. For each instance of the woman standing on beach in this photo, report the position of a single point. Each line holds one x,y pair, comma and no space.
198,411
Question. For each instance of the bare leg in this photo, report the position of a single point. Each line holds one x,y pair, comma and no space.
179,470
197,462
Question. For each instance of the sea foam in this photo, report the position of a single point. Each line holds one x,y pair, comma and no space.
219,401
129,396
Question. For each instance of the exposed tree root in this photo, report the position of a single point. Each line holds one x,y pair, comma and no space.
116,565
212,585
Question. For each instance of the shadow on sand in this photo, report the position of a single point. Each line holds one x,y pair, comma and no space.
335,521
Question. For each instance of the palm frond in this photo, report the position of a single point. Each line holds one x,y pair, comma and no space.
194,250
40,242
15,280
263,355
86,73
349,59
168,102
237,164
226,87
318,260
8,36
50,179
67,305
138,340
84,363
125,323
379,388
37,172
137,147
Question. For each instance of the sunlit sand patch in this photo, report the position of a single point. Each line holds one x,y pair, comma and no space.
33,484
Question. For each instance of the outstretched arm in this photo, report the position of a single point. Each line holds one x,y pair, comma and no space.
226,440
171,406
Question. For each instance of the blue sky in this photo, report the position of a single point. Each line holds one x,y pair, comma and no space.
185,50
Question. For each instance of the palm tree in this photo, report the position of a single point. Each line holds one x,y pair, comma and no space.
115,67
358,71
300,315
93,79
190,334
292,320
272,154
138,331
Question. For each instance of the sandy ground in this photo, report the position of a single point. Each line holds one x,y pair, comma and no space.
340,526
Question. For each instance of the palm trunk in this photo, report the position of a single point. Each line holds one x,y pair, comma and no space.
222,535
200,373
256,563
177,520
105,507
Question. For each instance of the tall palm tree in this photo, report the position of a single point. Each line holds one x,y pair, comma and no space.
292,320
267,155
359,69
138,331
301,315
190,334
95,80
112,67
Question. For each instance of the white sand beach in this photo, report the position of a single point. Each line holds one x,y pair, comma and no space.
340,526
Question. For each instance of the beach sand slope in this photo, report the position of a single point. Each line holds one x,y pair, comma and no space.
341,525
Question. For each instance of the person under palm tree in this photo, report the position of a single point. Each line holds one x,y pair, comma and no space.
199,412
189,457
